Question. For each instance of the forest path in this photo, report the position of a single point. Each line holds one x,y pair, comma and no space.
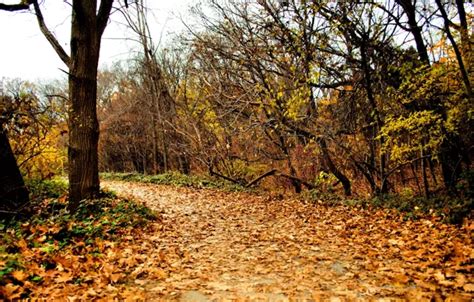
219,246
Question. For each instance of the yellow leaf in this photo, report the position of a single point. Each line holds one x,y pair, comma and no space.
469,287
19,275
158,273
461,281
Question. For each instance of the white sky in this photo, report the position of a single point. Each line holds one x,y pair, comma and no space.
25,53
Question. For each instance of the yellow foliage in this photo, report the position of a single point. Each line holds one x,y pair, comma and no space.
296,103
44,155
404,136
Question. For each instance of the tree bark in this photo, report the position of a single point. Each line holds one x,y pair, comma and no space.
462,68
86,32
415,29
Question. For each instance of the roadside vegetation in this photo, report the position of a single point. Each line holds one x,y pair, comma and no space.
52,245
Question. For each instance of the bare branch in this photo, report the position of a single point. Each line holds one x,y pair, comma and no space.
49,35
15,7
256,180
103,15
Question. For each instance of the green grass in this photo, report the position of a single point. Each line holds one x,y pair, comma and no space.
176,179
49,188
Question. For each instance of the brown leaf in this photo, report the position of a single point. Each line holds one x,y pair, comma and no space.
11,291
63,278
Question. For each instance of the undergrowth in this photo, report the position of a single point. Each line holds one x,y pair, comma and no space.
48,188
52,229
176,179
449,209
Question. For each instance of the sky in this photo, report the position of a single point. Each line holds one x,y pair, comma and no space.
25,53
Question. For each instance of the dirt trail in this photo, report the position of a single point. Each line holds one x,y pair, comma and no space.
218,246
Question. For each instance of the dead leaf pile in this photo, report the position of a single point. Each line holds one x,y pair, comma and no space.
238,246
220,246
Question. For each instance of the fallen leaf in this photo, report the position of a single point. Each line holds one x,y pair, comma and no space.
19,275
469,287
63,278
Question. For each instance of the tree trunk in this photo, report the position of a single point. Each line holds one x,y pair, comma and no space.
346,183
88,23
83,123
424,174
13,192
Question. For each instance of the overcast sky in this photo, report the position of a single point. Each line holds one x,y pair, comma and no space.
25,53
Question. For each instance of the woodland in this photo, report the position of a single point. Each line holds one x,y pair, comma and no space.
272,151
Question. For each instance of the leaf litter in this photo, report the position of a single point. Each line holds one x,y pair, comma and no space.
219,246
211,245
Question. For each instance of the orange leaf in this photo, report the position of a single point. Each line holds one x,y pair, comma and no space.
401,278
63,278
11,291
19,275
469,287
115,277
22,244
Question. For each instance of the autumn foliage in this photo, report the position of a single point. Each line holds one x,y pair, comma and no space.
262,87
303,150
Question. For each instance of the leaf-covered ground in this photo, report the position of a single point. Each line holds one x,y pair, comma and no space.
220,246
211,245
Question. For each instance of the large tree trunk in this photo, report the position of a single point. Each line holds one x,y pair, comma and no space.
88,24
13,193
83,123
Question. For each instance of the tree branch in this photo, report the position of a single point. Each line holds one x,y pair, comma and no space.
308,185
103,16
271,172
15,7
49,35
212,172
329,85
462,67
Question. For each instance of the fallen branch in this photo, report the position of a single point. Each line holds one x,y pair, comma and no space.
273,172
308,185
256,180
224,177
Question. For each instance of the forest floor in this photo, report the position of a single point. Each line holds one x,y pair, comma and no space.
211,245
